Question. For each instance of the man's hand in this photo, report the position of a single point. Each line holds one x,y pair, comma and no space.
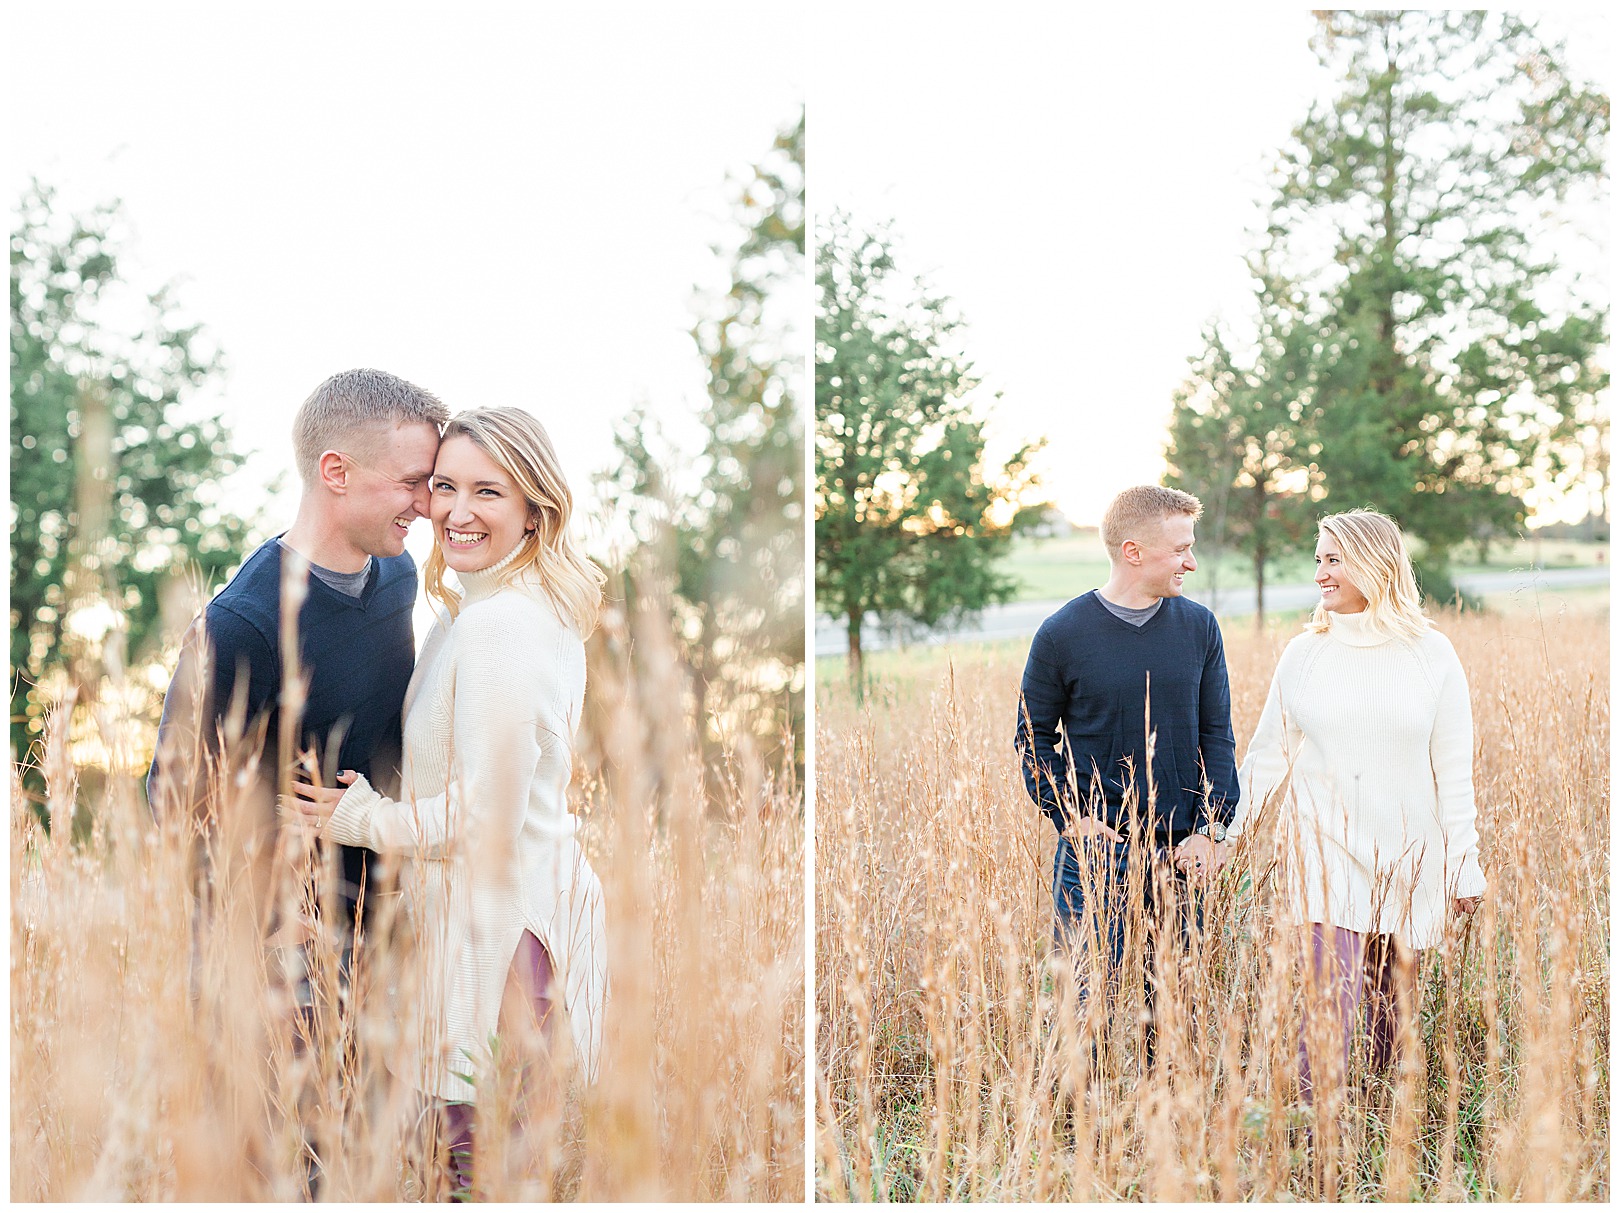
1200,857
1090,827
1466,905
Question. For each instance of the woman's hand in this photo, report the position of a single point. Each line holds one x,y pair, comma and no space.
1200,857
1466,905
314,804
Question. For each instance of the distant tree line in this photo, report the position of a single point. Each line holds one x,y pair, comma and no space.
1591,529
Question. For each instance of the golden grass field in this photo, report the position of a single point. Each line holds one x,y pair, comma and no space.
952,1062
131,1080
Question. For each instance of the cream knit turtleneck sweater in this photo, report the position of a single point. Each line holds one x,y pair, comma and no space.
490,717
1370,742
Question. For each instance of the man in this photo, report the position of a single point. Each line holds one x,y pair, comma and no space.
1110,666
365,443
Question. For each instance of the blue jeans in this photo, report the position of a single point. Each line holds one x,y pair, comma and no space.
1105,877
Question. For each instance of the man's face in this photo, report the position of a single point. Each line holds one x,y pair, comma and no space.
388,488
1168,557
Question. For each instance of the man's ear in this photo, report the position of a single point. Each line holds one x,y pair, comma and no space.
333,472
1131,551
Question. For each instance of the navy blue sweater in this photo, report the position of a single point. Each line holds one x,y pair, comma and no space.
1092,672
357,655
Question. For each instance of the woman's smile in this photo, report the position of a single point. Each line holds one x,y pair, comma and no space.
478,514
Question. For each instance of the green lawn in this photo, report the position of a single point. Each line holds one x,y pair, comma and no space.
1061,568
1056,568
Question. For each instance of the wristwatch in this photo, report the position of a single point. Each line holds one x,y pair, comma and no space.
1214,831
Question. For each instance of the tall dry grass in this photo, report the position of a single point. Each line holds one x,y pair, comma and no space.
954,1061
154,1054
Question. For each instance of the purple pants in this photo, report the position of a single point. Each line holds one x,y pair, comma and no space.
1357,977
528,985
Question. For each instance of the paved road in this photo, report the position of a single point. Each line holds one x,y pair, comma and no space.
1022,618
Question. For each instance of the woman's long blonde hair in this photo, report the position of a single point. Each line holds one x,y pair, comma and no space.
520,446
1377,564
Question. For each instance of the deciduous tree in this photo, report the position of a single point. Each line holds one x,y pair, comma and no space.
732,546
113,489
1239,434
910,517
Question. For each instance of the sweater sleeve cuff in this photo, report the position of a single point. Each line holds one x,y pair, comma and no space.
1470,878
350,822
1235,813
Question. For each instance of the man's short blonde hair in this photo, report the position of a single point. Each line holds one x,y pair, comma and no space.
1131,513
353,410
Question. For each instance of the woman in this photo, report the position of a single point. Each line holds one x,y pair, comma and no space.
503,895
1368,736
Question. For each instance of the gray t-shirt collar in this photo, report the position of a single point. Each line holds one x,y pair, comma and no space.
350,585
1135,616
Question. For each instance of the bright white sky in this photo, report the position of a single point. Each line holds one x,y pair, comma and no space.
510,204
1081,181
506,204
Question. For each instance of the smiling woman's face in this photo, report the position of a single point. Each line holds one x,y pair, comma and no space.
1337,592
478,515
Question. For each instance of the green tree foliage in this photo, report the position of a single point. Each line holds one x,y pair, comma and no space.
731,549
909,519
1450,363
110,487
1239,439
1447,365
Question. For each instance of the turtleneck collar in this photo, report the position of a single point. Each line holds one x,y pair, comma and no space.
483,583
1354,630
